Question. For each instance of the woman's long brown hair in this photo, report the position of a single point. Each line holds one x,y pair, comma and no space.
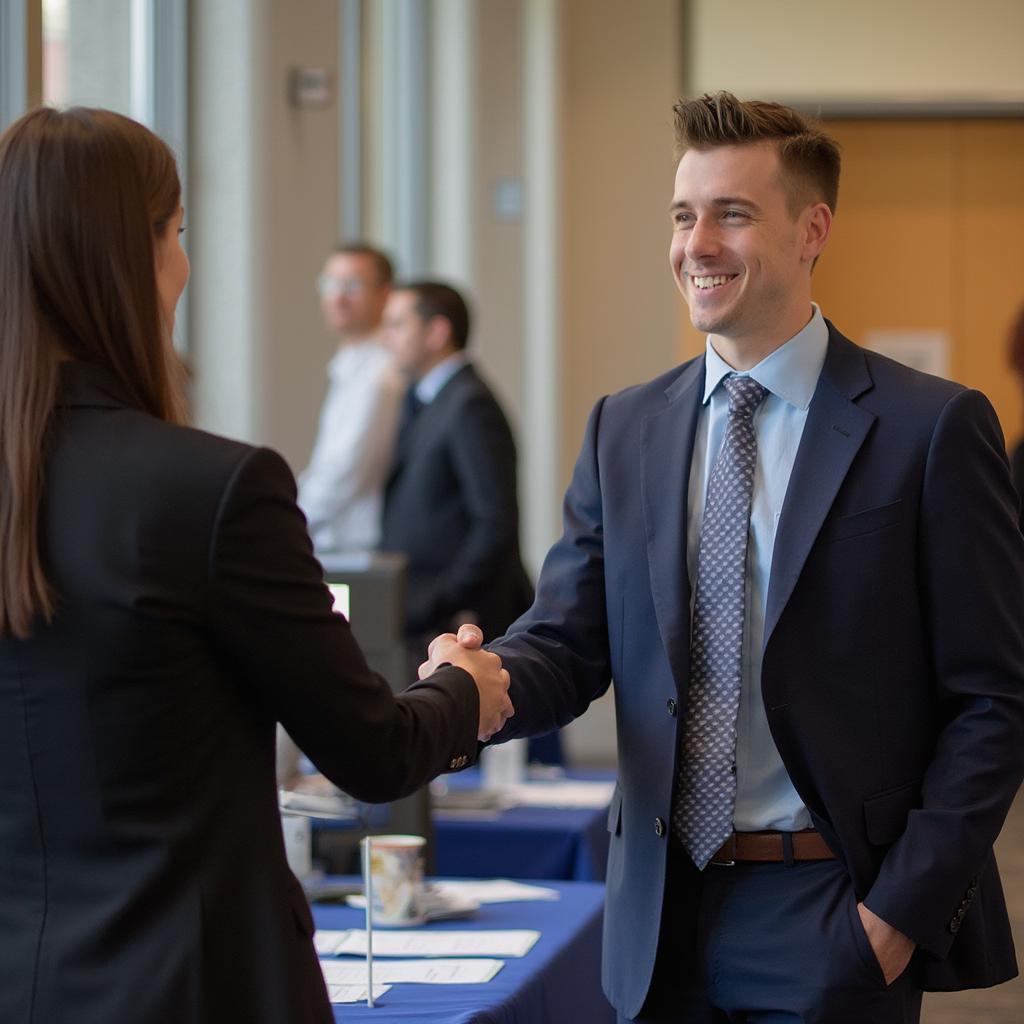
84,194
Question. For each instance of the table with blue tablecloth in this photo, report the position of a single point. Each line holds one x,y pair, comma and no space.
558,981
523,842
518,842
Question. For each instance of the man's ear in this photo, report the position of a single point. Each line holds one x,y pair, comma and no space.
438,334
817,223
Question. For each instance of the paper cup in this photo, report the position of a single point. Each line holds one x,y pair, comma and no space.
503,765
396,863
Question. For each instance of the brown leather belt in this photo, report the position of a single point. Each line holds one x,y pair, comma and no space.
771,848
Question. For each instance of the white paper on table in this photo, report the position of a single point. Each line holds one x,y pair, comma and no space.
494,890
568,793
354,993
410,942
326,941
395,972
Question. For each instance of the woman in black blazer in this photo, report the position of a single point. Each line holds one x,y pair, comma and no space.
160,610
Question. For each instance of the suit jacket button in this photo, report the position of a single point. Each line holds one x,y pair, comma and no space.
671,705
659,827
954,925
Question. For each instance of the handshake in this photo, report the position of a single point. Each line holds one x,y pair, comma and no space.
464,651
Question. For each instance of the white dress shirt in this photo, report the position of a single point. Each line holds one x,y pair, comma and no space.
341,491
765,797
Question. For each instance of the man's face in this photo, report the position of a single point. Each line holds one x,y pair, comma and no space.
404,332
740,257
352,296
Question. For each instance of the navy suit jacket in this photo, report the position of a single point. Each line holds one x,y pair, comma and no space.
893,672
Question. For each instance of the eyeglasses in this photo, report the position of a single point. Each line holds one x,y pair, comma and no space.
327,285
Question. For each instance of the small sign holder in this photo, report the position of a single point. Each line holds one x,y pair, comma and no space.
368,891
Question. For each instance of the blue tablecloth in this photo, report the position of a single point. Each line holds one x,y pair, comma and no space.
557,982
523,842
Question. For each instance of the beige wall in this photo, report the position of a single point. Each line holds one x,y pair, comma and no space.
620,77
300,204
818,50
497,243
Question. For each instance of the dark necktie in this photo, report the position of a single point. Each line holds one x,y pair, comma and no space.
706,785
410,410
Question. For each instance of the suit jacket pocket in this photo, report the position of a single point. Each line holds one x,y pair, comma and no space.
615,812
885,814
868,520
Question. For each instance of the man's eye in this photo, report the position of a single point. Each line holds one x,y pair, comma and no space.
735,215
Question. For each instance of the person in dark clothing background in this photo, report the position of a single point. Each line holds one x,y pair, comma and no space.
450,503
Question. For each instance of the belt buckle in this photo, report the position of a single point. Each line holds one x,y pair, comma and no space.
730,846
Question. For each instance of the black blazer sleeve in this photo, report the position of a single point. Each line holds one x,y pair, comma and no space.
271,619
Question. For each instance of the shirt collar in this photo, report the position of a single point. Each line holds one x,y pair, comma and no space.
791,371
430,384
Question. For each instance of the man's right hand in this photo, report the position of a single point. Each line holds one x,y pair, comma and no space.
491,679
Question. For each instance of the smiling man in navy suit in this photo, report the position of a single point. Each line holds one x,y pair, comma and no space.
799,561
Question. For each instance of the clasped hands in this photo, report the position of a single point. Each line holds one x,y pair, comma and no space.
492,681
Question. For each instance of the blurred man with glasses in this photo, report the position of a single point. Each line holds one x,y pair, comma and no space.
341,489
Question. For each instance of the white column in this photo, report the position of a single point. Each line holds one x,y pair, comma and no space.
453,129
226,218
404,110
542,365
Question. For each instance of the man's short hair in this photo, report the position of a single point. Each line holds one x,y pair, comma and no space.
809,157
385,272
436,299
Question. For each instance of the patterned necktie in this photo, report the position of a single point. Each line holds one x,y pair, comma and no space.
706,785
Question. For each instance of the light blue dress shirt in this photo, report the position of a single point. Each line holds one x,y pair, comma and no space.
430,384
765,797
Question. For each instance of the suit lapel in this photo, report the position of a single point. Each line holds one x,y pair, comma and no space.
833,434
666,453
425,423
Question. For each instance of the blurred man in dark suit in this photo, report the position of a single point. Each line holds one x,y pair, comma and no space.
450,502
